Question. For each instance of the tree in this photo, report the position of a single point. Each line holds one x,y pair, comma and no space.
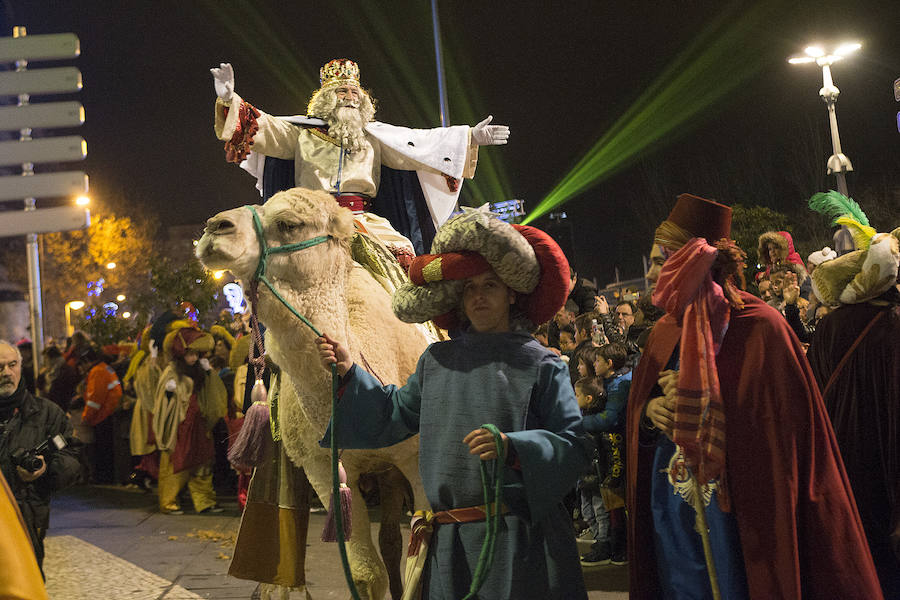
105,327
172,284
74,264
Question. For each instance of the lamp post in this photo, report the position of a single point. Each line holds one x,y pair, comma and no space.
838,163
70,306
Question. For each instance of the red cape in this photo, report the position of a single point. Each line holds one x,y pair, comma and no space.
800,532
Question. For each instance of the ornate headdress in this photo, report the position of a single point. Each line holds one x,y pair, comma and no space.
865,273
525,258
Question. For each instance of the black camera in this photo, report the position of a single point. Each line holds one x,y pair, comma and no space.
28,459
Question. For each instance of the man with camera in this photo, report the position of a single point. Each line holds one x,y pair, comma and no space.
36,455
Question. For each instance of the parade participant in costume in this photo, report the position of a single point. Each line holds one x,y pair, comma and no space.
190,399
491,282
339,148
780,519
855,356
20,577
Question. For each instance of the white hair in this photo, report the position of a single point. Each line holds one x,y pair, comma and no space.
14,347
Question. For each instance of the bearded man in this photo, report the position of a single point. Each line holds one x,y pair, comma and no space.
339,148
725,420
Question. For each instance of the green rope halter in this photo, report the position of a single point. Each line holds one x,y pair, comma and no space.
260,275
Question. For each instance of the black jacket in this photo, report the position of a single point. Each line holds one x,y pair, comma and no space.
36,420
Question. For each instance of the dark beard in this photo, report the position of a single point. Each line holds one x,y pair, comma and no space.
195,372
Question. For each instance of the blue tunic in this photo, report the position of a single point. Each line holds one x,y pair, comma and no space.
510,380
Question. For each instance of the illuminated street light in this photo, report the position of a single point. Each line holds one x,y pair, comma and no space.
217,275
70,306
126,315
838,163
82,200
110,265
120,298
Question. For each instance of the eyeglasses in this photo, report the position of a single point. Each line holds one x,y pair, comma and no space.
624,314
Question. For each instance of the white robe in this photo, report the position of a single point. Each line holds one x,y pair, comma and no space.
431,153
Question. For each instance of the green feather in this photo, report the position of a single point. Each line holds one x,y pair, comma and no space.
835,205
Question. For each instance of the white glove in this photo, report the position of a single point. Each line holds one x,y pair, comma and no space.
223,80
154,351
170,385
204,364
484,134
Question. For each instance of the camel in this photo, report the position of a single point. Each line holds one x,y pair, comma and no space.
342,299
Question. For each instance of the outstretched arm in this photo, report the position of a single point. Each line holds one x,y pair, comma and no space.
485,134
243,126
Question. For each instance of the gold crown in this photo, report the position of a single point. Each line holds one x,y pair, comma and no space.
339,71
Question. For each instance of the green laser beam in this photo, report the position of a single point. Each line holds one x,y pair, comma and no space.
725,55
244,22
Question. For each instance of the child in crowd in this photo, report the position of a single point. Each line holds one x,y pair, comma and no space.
607,424
591,399
567,341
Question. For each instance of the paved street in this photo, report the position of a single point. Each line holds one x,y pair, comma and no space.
110,542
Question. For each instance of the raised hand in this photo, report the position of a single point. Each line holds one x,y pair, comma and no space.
791,291
223,80
485,134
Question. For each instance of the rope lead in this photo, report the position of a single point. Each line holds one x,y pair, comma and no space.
492,516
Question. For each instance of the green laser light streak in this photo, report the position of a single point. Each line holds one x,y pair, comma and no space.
725,55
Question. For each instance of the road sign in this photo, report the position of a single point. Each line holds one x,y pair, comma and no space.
54,149
59,80
54,46
45,220
897,90
45,185
48,114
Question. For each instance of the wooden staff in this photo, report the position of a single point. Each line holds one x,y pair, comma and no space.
702,528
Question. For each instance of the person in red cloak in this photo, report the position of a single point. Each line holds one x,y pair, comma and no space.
757,452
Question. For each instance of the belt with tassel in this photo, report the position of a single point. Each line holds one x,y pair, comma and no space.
423,521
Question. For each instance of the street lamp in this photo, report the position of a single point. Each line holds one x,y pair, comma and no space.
70,306
110,265
120,298
82,200
838,163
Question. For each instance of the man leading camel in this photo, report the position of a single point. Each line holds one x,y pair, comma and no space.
339,148
491,281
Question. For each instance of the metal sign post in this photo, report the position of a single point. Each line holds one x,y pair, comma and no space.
26,152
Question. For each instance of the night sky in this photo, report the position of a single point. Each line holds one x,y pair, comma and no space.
559,74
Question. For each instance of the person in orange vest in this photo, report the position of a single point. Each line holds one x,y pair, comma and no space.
102,393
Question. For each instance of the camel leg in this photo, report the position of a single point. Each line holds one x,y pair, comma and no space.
366,568
393,491
410,469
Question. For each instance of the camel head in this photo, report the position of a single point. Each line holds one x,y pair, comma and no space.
296,215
